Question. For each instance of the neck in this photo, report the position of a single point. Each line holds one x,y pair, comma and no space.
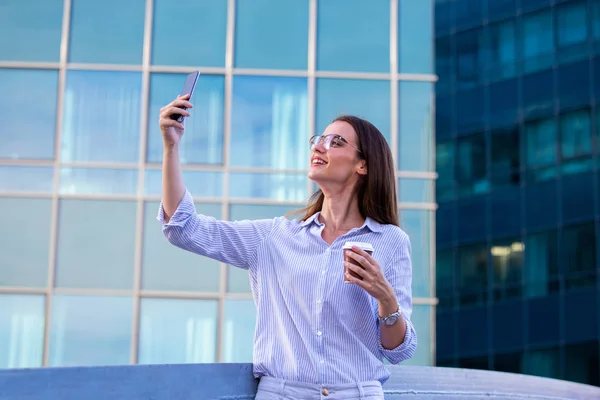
340,211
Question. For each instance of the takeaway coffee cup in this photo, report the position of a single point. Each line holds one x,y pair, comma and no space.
368,247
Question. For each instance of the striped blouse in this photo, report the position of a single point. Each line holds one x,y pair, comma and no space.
310,325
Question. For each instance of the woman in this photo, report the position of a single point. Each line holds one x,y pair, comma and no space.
316,335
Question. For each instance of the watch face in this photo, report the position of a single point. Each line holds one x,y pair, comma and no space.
391,320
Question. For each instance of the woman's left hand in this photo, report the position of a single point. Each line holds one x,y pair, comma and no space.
373,280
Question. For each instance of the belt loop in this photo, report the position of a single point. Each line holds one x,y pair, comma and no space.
282,387
361,392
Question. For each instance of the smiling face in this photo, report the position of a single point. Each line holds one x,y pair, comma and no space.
341,163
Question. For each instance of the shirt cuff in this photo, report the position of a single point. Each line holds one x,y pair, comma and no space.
185,208
405,350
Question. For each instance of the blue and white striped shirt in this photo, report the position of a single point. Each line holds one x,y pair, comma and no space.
310,325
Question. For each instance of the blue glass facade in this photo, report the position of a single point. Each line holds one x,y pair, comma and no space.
86,276
517,152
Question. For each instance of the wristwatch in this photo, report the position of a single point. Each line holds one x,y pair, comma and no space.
391,319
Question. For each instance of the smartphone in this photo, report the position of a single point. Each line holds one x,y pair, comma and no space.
188,88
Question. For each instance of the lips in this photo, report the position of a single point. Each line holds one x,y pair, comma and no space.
317,161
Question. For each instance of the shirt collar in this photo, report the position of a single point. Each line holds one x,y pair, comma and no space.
370,223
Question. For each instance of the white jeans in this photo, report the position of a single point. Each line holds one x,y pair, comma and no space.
281,389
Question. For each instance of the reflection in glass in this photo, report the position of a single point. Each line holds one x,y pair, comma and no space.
415,131
26,178
415,36
199,183
369,99
25,238
422,319
31,136
201,22
90,330
98,181
417,225
415,190
202,142
166,267
507,262
471,171
541,143
575,134
345,45
538,41
83,263
444,161
271,34
472,278
269,125
281,187
238,331
101,116
541,264
38,27
107,32
174,331
21,330
502,51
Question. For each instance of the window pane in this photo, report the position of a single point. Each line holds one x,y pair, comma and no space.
26,179
90,330
344,45
541,143
421,318
107,32
571,21
36,130
201,22
238,331
444,161
415,36
544,363
271,34
444,63
177,331
538,96
541,264
471,171
503,108
281,187
575,134
501,51
25,238
538,41
415,190
369,99
468,58
507,261
237,278
202,142
473,279
101,116
444,278
505,161
98,181
579,255
269,126
82,226
199,183
38,27
166,267
415,131
470,110
21,330
417,224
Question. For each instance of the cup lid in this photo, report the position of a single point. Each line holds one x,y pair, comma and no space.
363,245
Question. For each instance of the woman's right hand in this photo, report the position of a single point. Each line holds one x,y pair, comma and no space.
171,130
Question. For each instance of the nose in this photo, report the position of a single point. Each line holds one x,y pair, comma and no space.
320,147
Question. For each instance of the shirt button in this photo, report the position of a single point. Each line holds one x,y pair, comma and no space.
323,272
325,392
319,333
322,361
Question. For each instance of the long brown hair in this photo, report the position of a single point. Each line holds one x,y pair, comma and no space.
376,190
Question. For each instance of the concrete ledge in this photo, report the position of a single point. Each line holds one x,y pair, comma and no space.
235,382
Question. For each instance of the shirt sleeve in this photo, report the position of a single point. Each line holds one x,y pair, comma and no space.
399,274
233,243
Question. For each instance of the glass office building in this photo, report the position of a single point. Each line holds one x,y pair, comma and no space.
86,276
517,152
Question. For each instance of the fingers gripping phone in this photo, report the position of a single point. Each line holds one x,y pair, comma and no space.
188,88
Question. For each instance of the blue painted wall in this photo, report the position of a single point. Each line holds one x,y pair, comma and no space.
235,381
